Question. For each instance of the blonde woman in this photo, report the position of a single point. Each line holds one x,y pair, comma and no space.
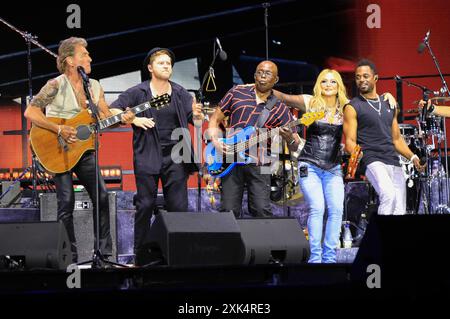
319,163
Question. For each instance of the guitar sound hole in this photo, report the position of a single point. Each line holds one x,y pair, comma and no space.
83,132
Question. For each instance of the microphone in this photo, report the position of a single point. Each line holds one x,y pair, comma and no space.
83,74
399,79
222,54
423,44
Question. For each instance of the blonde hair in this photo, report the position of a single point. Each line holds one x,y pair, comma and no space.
318,103
66,49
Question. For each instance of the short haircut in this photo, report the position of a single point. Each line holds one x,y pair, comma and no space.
370,64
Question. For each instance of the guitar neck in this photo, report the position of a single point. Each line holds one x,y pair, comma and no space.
262,137
156,102
110,121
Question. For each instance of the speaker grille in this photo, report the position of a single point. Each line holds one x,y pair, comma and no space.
83,221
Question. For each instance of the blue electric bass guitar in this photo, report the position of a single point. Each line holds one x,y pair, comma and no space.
219,165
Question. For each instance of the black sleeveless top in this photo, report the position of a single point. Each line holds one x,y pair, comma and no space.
374,133
322,147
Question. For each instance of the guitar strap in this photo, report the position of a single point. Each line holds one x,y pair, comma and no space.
264,115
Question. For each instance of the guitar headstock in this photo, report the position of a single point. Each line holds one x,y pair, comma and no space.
310,117
160,101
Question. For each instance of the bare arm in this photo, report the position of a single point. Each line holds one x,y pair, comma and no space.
295,101
440,110
398,141
35,112
292,139
350,128
214,131
214,122
400,144
105,111
293,146
103,107
389,97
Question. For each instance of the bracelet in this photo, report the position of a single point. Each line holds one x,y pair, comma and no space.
292,141
59,130
414,156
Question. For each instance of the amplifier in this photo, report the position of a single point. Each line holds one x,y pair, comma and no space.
83,221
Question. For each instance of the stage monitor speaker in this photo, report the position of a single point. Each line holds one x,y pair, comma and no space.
406,248
197,238
83,221
273,240
38,245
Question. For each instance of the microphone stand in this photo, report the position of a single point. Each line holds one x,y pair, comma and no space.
426,129
29,39
201,97
98,260
442,208
423,127
266,6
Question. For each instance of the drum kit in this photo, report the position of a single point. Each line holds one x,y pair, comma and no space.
428,190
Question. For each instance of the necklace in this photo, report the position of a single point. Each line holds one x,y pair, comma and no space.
378,110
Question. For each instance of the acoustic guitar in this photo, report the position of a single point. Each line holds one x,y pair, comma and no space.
57,156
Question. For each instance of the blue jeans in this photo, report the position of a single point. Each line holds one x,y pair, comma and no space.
323,189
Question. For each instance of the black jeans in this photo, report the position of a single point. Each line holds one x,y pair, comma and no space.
258,191
174,182
85,171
